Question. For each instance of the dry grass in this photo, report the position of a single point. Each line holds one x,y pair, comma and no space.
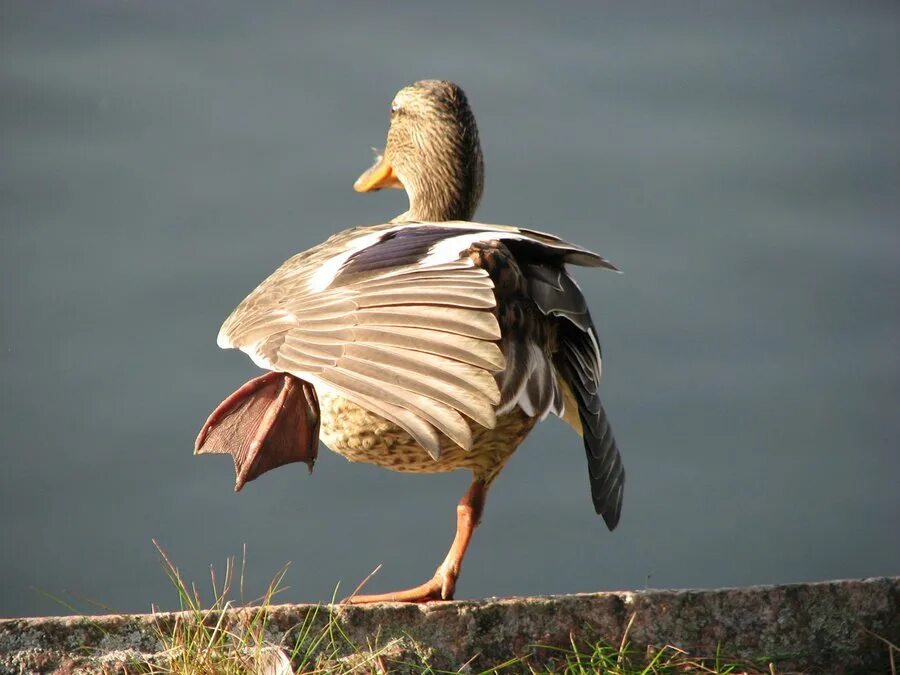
208,640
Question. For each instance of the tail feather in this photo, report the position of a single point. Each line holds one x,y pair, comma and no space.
607,475
605,470
577,361
576,358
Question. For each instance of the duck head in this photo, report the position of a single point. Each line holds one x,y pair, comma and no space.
432,152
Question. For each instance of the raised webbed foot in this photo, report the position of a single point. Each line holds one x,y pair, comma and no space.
270,421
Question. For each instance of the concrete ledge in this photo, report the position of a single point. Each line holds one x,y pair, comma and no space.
818,628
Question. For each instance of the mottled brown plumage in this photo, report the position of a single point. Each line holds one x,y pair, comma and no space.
362,436
433,152
431,346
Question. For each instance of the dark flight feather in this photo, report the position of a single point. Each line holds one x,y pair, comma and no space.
607,475
577,359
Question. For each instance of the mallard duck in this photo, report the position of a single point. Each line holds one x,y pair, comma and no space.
425,344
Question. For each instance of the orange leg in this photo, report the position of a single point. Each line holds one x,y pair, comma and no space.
443,583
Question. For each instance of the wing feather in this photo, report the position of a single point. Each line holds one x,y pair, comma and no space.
477,381
480,298
481,353
444,418
459,320
422,280
399,320
474,406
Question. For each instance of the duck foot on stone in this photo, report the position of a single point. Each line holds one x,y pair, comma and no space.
442,585
439,587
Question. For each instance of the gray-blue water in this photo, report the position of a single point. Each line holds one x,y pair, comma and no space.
740,162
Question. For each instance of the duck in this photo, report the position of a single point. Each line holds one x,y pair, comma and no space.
428,343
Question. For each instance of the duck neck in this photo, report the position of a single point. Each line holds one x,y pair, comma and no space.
449,192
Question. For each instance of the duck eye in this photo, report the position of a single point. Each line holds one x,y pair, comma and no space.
395,107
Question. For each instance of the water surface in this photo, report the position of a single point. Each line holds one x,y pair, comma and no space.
740,163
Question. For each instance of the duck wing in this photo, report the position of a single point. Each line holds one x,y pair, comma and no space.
397,318
414,343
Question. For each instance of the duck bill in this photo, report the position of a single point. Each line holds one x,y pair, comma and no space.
377,177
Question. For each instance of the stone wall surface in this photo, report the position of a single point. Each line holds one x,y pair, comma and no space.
828,627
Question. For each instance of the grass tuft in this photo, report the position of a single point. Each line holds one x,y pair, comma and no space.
208,640
602,657
622,659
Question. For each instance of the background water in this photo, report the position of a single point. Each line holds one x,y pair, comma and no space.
740,162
